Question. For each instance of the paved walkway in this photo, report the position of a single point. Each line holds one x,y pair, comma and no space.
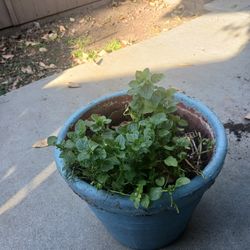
208,58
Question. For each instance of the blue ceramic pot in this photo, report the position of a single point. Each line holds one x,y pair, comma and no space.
160,224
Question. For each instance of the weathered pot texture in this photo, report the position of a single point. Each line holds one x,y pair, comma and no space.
159,225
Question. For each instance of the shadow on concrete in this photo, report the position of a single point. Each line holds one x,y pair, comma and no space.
186,8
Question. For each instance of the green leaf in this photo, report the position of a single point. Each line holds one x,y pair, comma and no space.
69,144
160,181
182,123
133,127
133,84
92,145
98,122
146,91
113,160
89,123
182,155
121,155
169,148
121,141
132,137
183,142
139,76
168,124
163,132
156,77
80,127
148,107
158,118
71,135
171,161
181,181
142,183
107,167
155,193
82,144
170,92
51,140
83,156
108,135
101,153
171,109
145,201
136,199
158,96
69,157
102,178
130,175
146,72
142,75
95,117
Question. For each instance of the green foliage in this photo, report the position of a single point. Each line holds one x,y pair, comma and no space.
80,42
171,161
113,46
80,50
142,158
52,140
92,55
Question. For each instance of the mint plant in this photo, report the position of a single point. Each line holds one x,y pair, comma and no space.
146,155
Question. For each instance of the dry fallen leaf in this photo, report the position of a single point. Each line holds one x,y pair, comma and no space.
8,56
3,49
62,28
43,50
14,84
40,74
82,20
52,66
28,43
247,117
72,19
27,70
52,36
45,37
79,61
125,42
43,65
73,85
40,143
114,3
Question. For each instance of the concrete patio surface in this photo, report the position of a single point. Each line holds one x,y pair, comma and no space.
208,58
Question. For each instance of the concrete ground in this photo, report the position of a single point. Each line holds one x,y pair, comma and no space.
208,58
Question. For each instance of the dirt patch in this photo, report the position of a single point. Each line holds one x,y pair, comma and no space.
46,49
237,128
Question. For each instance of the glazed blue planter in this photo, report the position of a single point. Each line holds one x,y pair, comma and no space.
159,225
